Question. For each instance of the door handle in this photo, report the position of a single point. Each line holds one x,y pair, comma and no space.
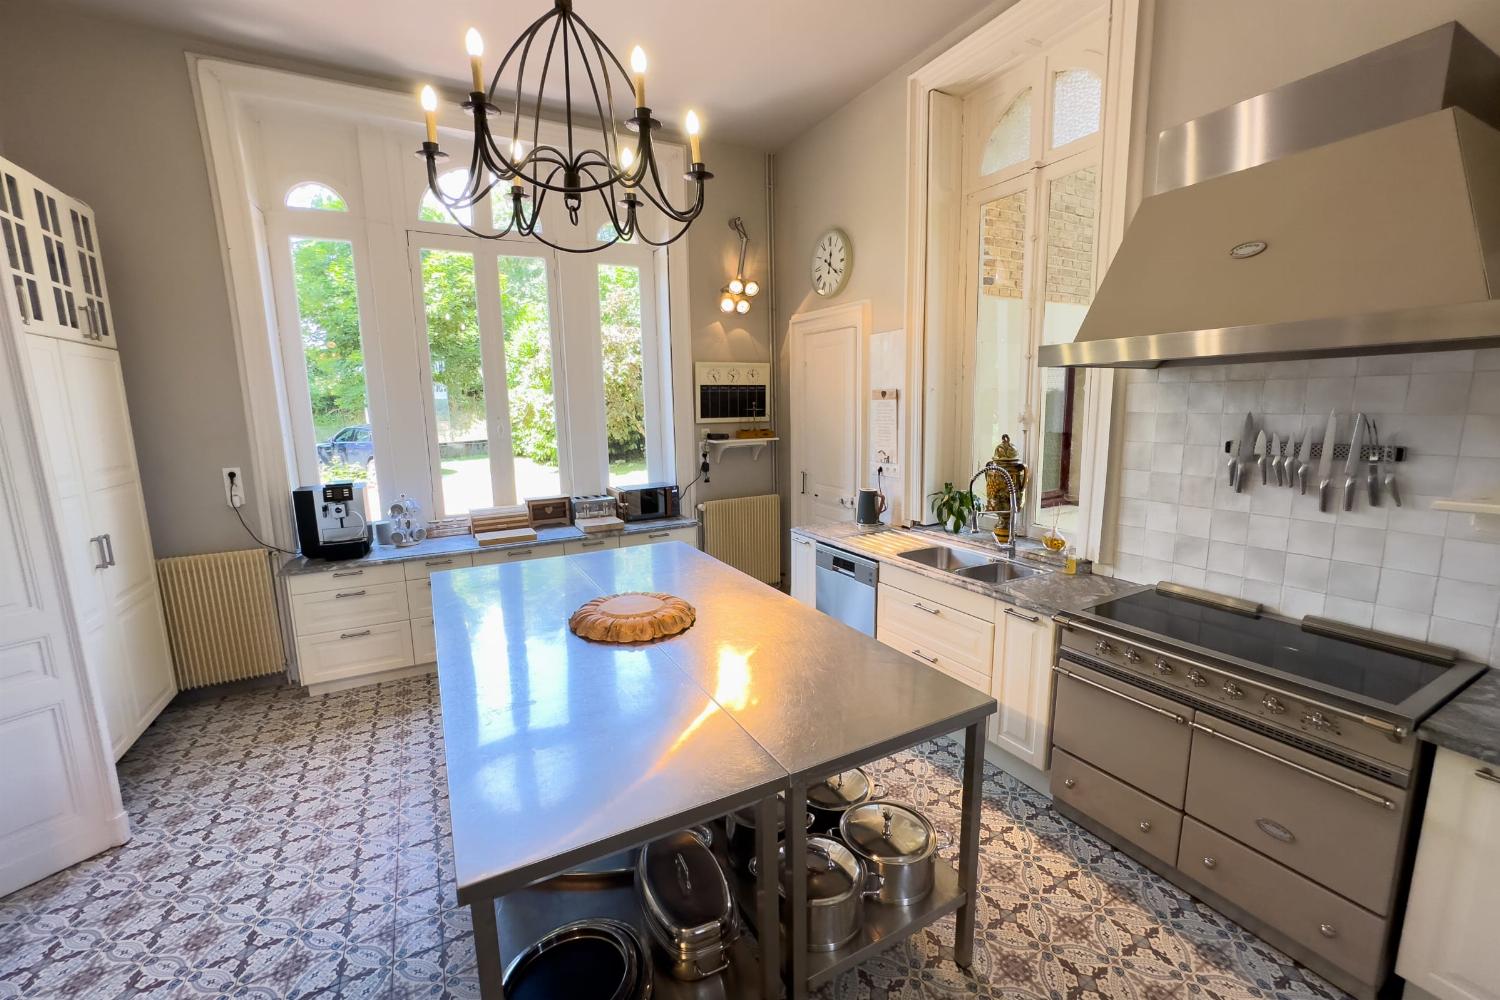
103,560
109,548
804,483
923,656
1033,619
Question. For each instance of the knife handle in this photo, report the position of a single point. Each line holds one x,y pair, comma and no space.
1372,486
1234,472
1390,487
1281,473
1324,488
1348,492
1239,477
1260,463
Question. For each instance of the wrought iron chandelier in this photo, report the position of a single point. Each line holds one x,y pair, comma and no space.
595,160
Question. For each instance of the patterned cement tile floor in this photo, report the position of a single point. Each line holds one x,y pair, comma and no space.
293,847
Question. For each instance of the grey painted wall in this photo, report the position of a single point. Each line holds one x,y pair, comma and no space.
139,161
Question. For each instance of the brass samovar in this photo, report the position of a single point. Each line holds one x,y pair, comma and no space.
997,496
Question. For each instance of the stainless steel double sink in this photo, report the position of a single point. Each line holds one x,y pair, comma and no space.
969,564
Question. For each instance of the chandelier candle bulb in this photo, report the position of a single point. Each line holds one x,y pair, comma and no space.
429,109
516,156
638,67
627,160
694,141
475,44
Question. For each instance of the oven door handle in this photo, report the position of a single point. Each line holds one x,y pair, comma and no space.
1379,800
1180,720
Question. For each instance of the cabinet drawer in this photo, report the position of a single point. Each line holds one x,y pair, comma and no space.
919,646
931,590
421,569
423,641
360,604
1321,921
521,554
955,636
1330,834
591,545
419,597
1140,819
344,579
689,535
331,656
1138,737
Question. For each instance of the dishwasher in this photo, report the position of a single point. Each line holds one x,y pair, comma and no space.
846,587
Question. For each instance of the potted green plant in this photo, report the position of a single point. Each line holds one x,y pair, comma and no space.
952,507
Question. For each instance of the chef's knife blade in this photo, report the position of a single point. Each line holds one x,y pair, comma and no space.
1352,465
1247,446
1325,461
1304,460
1260,455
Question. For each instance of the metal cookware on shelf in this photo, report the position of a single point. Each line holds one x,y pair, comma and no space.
837,886
828,799
739,829
898,844
689,911
585,960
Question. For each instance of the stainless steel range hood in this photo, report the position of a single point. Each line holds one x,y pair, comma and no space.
1356,211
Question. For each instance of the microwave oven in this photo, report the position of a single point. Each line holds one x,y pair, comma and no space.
646,502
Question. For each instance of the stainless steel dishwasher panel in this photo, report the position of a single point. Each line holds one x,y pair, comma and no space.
846,587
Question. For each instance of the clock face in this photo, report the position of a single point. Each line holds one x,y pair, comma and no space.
833,257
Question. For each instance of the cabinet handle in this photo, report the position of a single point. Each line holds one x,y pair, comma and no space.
1145,826
1379,800
518,552
923,656
1328,930
659,534
1210,862
351,572
804,484
103,560
109,548
1025,618
1181,721
1070,782
922,607
1488,775
351,593
589,545
354,635
438,562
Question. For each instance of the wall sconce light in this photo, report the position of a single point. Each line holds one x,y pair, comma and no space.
735,297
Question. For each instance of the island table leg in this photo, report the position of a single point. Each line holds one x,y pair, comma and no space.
796,853
487,949
968,844
768,897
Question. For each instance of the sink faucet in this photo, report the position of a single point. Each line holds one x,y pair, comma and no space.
1015,503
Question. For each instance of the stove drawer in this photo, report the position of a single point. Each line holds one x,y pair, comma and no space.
1138,818
1138,737
1261,793
1323,922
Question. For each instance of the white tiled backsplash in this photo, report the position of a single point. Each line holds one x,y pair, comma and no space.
1409,570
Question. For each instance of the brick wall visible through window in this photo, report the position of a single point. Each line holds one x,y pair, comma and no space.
1073,206
1003,246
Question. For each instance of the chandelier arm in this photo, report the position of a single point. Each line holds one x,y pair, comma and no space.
664,203
600,50
666,242
567,65
599,109
525,36
530,38
536,113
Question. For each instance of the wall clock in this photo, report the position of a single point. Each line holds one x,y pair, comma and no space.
832,260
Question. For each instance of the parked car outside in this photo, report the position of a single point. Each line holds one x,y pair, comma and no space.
352,445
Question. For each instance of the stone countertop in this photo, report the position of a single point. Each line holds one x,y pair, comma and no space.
465,544
1048,592
1470,723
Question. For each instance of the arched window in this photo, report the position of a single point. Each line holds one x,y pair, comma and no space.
451,184
607,232
319,197
1010,142
1077,102
501,210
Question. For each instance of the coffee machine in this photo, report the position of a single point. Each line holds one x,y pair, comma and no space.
330,520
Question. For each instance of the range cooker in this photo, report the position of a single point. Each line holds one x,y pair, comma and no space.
1268,765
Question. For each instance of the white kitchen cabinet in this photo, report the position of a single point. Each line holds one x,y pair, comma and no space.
1448,940
1021,683
583,545
51,259
804,570
688,535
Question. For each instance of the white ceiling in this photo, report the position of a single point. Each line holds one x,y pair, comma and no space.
758,73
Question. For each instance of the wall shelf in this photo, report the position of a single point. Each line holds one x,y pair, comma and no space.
716,449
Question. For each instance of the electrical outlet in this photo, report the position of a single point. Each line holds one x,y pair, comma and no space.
234,487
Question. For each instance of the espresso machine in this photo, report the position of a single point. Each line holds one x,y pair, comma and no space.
331,521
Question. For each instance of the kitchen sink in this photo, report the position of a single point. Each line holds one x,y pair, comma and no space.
996,572
946,559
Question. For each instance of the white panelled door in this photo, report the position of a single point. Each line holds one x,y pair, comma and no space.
61,803
827,352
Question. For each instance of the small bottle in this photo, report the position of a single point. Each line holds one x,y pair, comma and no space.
1070,561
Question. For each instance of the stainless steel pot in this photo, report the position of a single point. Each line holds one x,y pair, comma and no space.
831,797
689,911
837,886
898,844
739,830
587,960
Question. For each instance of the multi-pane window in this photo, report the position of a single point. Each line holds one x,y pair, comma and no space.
456,358
531,395
624,372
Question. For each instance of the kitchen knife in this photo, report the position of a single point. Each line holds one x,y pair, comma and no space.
1304,460
1372,471
1260,455
1351,467
1247,439
1390,482
1325,462
1276,460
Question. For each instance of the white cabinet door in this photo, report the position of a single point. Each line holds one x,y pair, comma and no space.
591,545
42,268
804,570
1022,683
95,297
688,535
1448,939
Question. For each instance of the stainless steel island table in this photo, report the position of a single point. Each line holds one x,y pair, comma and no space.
561,750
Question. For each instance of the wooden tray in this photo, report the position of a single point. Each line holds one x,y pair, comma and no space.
632,617
504,537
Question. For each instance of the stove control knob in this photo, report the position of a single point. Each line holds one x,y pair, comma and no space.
1069,782
1318,721
1233,690
1132,656
1273,704
1328,930
1162,666
1197,678
1103,647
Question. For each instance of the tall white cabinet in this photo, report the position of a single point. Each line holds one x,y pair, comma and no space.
56,283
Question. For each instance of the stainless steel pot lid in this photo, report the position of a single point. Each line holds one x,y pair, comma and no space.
845,789
833,872
587,960
683,887
887,831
